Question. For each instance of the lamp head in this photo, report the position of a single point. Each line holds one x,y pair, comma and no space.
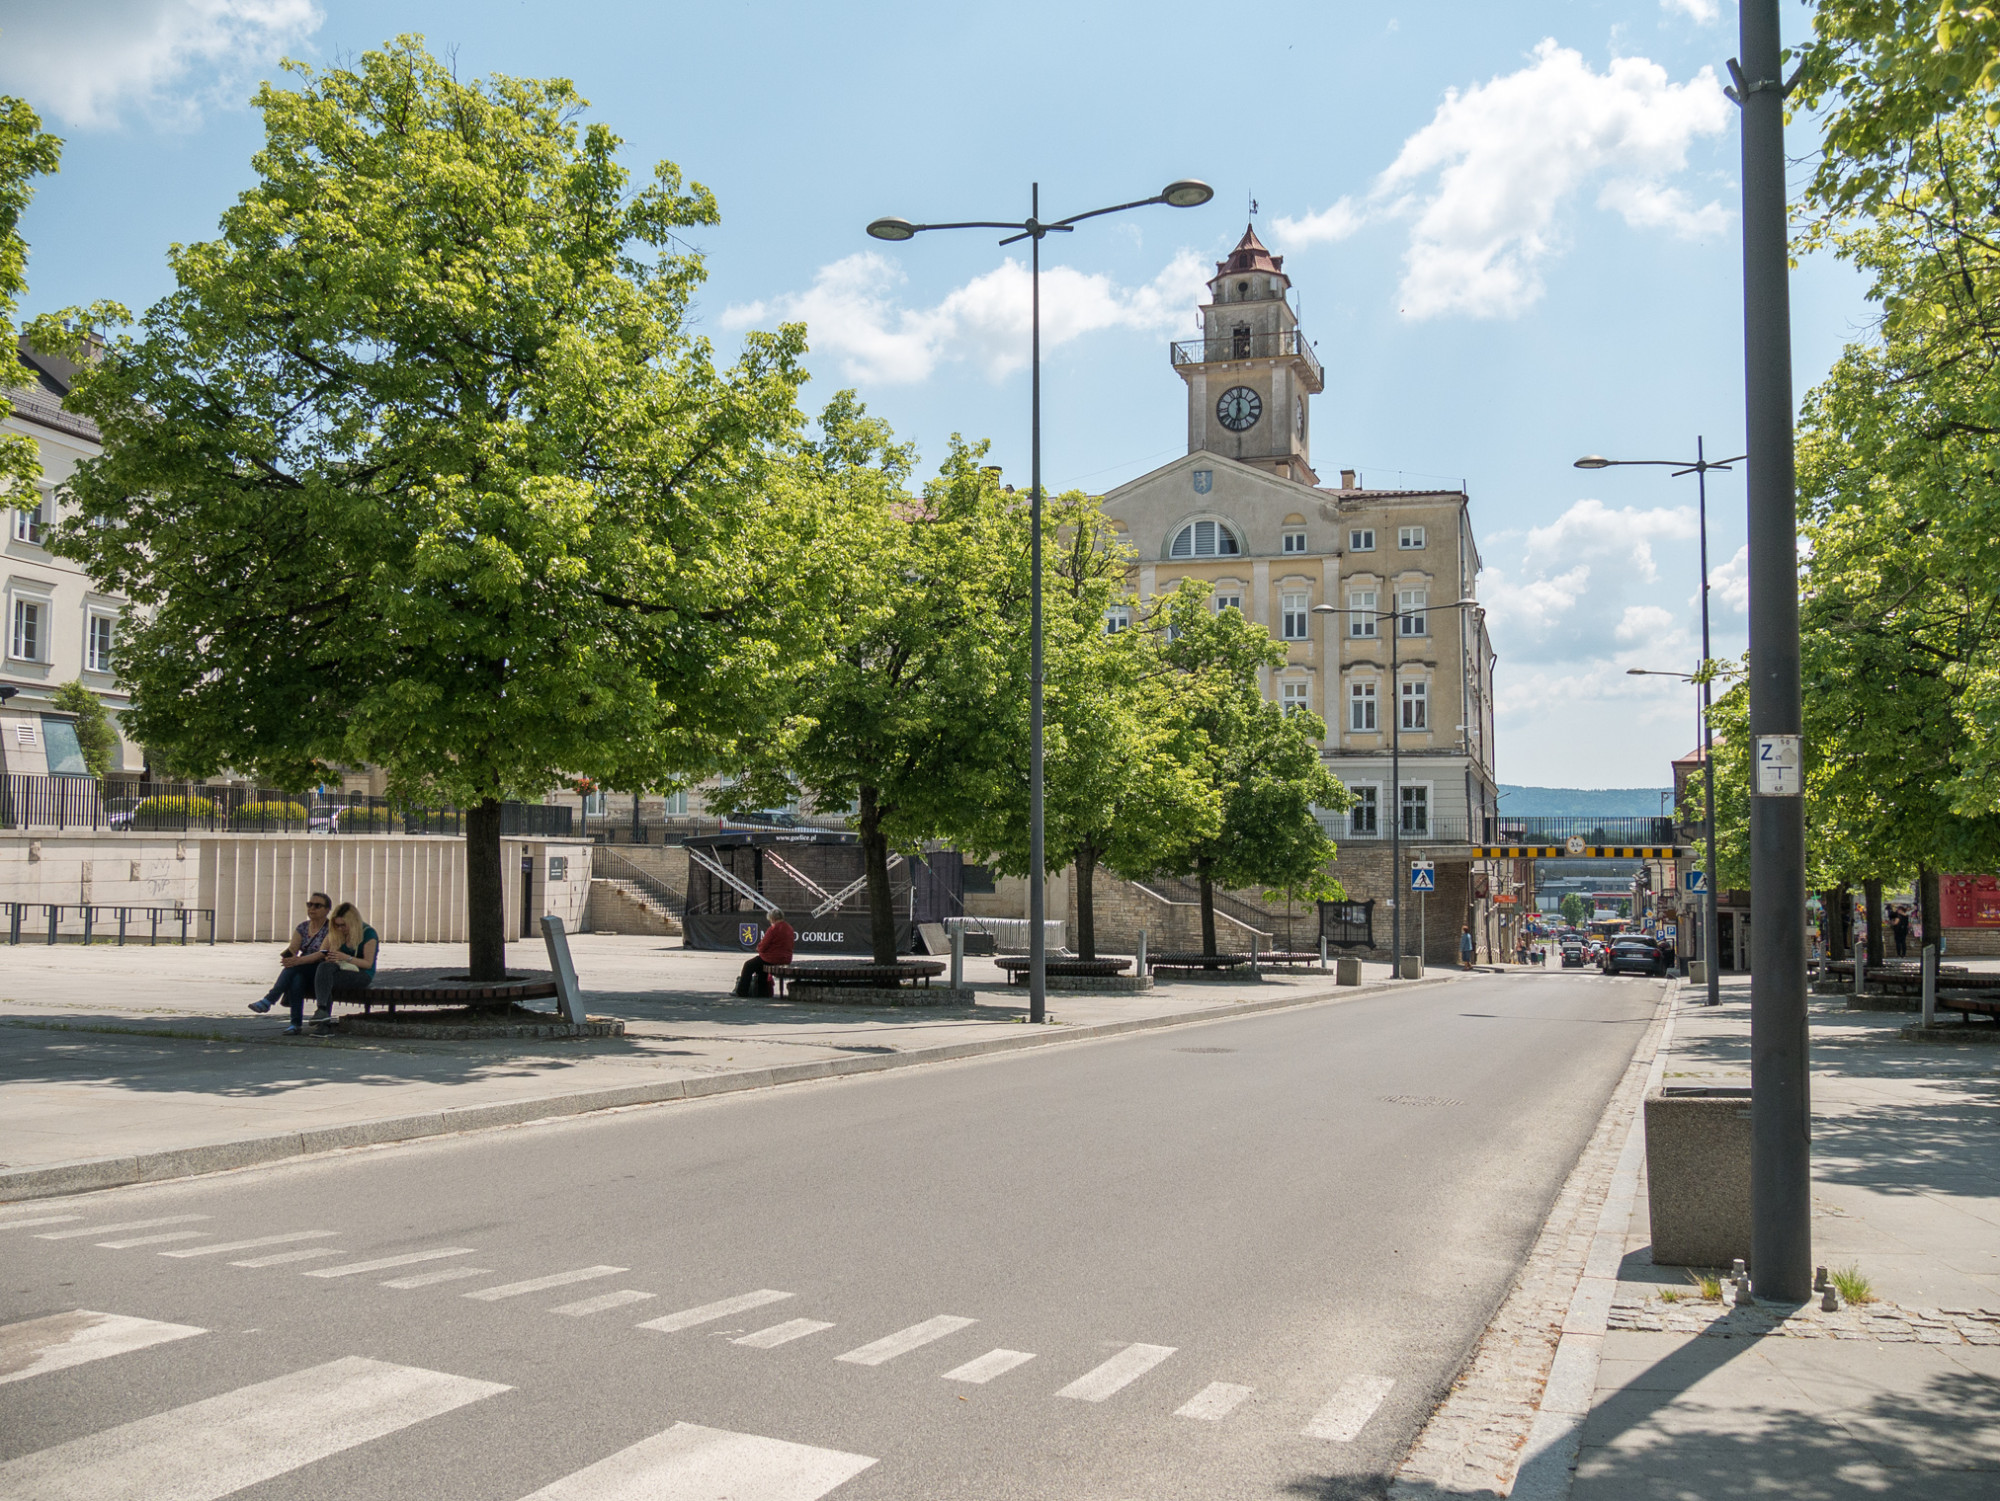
1189,192
893,229
1588,461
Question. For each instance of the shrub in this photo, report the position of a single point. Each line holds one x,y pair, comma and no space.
369,821
269,815
170,810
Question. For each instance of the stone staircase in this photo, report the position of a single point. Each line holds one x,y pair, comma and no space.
622,906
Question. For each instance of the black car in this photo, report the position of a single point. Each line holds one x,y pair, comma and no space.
1572,954
1639,956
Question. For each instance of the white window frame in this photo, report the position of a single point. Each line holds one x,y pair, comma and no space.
1295,694
1221,537
1361,539
1423,800
93,661
1361,614
1367,795
1363,698
675,804
1410,538
1229,599
1295,615
31,521
1294,540
1413,706
18,607
1413,612
1117,618
595,804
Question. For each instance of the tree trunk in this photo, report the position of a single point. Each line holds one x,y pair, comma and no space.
875,864
1838,935
1930,899
1086,910
1871,894
1207,909
485,893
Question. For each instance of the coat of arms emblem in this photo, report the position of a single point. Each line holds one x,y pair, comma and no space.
1204,481
746,934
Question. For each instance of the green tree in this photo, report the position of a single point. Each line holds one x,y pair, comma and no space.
1575,910
96,736
26,153
419,465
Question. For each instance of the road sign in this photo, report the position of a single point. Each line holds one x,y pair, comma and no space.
1423,875
1778,759
1696,881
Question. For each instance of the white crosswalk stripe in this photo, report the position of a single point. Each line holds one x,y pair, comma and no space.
41,1219
707,1313
542,1284
170,1219
209,1449
250,1245
1349,1409
383,1263
282,1258
691,1463
432,1279
781,1334
1117,1373
992,1363
159,1239
1213,1402
905,1340
601,1302
67,1339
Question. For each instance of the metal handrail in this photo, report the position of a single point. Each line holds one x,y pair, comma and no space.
1235,346
674,901
53,912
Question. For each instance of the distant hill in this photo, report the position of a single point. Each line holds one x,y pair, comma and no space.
1580,802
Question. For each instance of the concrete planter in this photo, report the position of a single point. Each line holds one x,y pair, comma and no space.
1697,971
808,994
1698,1174
1411,967
1347,971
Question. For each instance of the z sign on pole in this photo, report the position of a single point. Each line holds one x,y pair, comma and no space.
1423,875
1778,762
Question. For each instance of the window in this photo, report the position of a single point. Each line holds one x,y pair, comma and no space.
1229,600
97,649
1293,617
1362,540
1240,338
676,805
1294,542
593,804
1410,538
1416,706
1364,817
1416,810
1204,539
1410,603
1361,707
1361,612
1116,619
28,521
1294,696
64,752
25,644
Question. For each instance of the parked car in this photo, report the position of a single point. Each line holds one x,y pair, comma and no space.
1634,956
1572,954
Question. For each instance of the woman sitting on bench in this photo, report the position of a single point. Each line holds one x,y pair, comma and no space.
775,947
351,951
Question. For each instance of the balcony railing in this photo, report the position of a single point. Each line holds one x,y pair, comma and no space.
1592,831
128,807
1248,346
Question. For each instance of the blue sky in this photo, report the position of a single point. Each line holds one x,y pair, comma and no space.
1512,229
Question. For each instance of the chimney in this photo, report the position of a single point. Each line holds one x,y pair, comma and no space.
1347,480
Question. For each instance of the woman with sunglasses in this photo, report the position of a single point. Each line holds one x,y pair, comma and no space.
349,962
296,963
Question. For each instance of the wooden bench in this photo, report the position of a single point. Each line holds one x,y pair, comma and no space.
858,975
1076,969
1192,964
1966,1002
1289,957
440,988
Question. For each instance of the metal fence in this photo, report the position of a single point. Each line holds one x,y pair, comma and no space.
62,803
1592,831
1244,345
49,922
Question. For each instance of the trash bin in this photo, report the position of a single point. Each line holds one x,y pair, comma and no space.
1698,1174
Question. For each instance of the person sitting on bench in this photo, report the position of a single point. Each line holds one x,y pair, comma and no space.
775,947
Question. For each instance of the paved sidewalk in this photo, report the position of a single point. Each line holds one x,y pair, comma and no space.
1669,1396
121,1064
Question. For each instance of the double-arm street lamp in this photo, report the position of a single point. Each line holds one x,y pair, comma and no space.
1708,928
1699,467
1186,193
1395,615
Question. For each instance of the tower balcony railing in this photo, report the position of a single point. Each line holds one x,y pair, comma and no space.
1249,346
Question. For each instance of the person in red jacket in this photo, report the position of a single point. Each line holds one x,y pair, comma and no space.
775,947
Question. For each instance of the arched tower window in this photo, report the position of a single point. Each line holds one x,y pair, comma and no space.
1204,539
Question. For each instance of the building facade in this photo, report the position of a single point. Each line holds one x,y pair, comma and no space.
1407,658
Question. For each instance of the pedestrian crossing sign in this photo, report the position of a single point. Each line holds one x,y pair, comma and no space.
1423,875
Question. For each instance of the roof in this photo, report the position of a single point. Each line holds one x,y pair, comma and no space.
1364,494
1250,255
39,400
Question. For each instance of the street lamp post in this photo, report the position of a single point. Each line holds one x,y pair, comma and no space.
1185,193
1699,469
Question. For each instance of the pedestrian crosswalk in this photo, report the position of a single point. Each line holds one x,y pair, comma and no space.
71,1339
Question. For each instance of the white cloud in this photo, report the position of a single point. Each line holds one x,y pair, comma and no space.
1704,11
1567,590
852,310
1483,182
1729,585
1643,623
90,62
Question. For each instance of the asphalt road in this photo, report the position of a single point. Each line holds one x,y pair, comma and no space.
1243,1260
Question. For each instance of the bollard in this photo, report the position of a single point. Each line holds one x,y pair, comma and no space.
1860,968
55,915
1254,936
1322,951
1930,984
958,958
1140,964
88,913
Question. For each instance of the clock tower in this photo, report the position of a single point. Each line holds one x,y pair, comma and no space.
1251,374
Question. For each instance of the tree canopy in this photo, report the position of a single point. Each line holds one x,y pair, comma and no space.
26,153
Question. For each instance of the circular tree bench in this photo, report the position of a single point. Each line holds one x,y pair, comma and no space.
1088,976
1235,968
1292,957
907,982
440,987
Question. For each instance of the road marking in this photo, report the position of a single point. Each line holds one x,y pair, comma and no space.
781,1334
687,1318
383,1263
283,1257
67,1339
43,1219
905,1340
152,1240
251,1245
690,1463
171,1219
541,1284
603,1301
1117,1373
1213,1402
211,1449
1350,1409
431,1279
992,1363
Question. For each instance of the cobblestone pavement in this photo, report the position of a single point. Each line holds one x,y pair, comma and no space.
1885,1322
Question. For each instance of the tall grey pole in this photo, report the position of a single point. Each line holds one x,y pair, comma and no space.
1780,1109
1038,958
1708,920
1398,880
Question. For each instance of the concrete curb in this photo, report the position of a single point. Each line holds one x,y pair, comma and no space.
188,1162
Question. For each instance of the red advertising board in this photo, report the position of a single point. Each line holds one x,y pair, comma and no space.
1971,901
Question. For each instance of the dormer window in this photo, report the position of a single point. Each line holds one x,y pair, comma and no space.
1204,539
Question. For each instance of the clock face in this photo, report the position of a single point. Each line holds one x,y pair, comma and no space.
1239,408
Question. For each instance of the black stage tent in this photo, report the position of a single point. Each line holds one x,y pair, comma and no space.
734,879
